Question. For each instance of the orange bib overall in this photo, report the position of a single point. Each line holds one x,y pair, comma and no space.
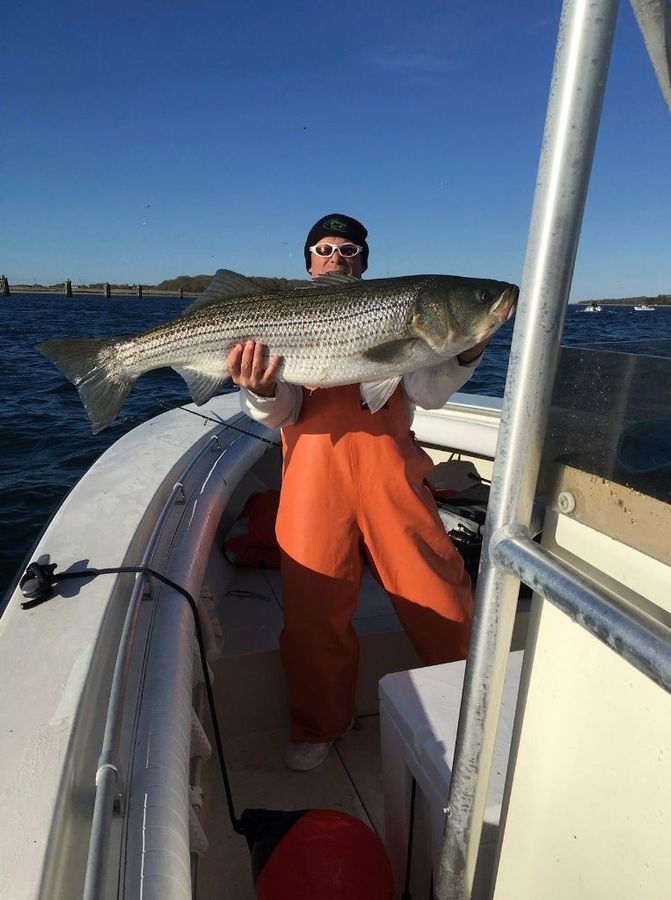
353,486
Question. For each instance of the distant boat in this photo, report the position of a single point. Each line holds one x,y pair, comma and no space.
592,307
644,307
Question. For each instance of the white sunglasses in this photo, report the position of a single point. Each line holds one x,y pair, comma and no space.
348,251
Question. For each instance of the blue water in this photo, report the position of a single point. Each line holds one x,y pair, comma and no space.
45,437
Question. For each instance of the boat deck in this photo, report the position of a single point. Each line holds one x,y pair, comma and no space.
251,705
255,728
350,780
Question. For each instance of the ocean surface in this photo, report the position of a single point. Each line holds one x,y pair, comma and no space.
45,437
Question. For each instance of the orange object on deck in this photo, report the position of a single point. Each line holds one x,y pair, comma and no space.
324,854
353,488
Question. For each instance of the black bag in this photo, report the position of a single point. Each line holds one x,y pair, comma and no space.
463,515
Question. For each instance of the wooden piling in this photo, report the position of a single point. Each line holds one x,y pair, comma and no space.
181,293
139,291
108,289
67,287
4,286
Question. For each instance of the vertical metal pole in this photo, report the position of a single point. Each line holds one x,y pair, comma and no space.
574,108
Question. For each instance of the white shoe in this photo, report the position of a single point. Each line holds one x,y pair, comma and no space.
303,757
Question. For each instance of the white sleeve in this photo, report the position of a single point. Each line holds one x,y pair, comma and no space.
431,388
277,411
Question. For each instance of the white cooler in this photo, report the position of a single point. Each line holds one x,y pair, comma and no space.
419,712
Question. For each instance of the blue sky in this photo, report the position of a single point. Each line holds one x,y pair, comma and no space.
150,139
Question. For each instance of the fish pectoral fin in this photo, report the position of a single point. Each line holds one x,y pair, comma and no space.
202,385
393,351
376,393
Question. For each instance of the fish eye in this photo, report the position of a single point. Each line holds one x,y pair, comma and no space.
485,296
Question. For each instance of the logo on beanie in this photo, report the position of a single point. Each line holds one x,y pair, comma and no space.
334,225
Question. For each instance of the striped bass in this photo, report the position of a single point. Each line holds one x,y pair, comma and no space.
332,331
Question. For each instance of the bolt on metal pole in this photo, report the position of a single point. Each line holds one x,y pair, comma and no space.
574,108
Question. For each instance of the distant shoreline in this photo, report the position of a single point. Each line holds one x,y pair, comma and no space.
114,292
664,300
661,300
182,286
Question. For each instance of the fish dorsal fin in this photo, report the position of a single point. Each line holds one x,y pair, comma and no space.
227,284
326,280
281,284
376,393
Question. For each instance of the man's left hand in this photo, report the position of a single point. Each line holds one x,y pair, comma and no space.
466,357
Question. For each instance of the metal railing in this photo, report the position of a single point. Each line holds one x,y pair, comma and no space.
574,108
622,625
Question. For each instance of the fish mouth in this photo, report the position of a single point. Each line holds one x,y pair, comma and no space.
504,308
499,313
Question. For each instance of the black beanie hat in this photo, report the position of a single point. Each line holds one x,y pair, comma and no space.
341,225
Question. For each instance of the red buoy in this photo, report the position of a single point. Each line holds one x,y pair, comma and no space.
323,854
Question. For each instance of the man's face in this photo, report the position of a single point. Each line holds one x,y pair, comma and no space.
335,264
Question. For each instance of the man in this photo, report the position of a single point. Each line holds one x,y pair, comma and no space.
353,490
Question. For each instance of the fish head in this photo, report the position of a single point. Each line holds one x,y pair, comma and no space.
452,313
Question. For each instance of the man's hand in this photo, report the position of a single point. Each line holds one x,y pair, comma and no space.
466,357
246,368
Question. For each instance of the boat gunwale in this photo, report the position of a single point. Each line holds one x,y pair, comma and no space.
56,734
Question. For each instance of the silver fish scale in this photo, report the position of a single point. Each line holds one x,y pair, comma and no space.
317,332
329,323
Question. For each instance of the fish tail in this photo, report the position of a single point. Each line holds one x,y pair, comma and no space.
94,366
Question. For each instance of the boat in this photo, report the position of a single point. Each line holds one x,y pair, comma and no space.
644,307
592,307
79,792
121,780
